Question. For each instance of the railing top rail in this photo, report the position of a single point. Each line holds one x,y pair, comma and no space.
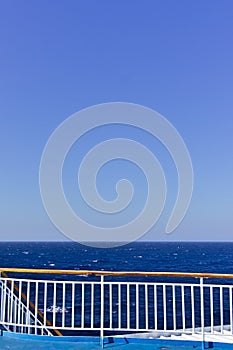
116,273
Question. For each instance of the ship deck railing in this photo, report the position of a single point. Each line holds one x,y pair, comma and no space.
106,303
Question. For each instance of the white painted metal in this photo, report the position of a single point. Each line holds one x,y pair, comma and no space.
174,306
193,309
102,311
22,320
231,314
212,308
221,309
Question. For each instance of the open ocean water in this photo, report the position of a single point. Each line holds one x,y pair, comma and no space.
139,256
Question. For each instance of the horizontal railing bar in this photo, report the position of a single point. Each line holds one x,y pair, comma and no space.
134,329
33,326
105,282
123,283
117,273
49,281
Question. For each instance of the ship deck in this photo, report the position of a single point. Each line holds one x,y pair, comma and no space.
139,341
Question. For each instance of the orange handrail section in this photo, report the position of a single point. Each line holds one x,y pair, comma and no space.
116,273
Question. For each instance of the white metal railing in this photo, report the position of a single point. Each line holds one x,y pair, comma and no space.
15,316
113,303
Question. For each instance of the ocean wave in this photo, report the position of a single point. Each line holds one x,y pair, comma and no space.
56,309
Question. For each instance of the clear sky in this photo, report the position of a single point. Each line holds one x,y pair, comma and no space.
57,57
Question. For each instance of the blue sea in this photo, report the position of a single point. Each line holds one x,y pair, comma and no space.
139,256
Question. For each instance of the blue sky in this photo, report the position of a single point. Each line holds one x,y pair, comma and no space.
57,57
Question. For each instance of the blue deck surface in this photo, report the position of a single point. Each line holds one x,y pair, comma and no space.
25,342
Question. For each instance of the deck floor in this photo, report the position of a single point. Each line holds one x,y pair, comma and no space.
224,337
147,341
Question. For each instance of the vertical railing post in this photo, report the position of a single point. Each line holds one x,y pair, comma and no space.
211,310
202,311
3,313
231,311
102,311
193,309
174,305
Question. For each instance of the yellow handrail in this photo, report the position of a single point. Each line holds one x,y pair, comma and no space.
117,273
